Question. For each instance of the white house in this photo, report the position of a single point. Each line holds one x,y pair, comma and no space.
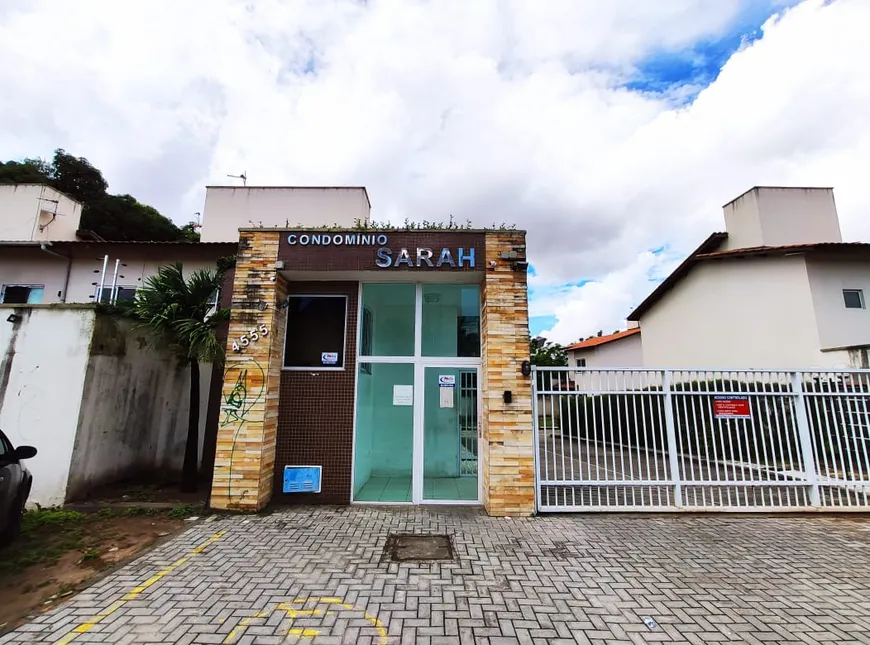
622,348
37,213
778,289
46,258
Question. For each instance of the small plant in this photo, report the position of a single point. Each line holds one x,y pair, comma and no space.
90,554
40,517
183,511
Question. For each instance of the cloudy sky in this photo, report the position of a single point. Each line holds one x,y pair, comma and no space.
612,130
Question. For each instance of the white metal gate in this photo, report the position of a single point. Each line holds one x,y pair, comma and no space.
701,440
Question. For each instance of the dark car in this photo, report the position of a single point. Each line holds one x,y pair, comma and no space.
15,482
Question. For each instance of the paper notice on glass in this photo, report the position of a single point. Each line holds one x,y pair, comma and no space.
403,395
446,396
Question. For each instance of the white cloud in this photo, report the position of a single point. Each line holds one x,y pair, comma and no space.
487,110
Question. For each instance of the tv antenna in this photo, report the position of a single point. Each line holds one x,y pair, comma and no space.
243,177
53,213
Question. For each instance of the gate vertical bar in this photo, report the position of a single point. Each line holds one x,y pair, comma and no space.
803,424
671,431
537,438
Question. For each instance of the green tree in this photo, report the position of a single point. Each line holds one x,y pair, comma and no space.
191,232
548,354
76,177
112,217
121,217
175,312
29,171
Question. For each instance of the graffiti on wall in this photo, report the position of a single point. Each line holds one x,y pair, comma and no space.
239,401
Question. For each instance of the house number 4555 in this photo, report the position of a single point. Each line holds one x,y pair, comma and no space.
251,337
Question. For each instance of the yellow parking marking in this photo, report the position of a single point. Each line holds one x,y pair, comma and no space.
306,633
238,629
134,593
374,620
295,613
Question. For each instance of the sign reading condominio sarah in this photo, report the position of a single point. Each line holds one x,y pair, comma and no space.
362,251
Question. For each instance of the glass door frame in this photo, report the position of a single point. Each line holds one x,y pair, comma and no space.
420,364
417,478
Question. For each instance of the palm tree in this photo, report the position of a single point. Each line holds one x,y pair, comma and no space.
178,316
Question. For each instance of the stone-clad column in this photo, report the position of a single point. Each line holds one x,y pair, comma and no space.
248,422
508,445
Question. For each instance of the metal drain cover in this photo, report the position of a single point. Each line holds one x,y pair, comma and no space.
418,548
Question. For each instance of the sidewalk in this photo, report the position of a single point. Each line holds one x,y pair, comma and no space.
321,575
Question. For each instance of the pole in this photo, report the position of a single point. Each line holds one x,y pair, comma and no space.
112,296
99,297
671,430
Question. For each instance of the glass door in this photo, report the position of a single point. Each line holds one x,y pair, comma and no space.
383,465
450,434
417,410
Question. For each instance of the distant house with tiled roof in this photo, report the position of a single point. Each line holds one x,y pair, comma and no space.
779,289
620,349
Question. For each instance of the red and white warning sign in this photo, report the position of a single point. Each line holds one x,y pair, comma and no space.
731,406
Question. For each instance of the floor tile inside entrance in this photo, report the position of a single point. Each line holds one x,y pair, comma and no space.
398,489
319,575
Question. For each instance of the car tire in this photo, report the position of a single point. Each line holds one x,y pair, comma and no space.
13,523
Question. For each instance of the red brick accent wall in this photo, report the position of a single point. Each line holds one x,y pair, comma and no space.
315,421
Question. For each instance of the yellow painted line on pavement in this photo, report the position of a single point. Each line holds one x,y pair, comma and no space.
305,633
244,622
331,600
134,593
292,612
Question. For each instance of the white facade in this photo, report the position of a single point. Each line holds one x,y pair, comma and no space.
227,209
838,325
753,312
623,352
780,307
769,216
37,213
67,272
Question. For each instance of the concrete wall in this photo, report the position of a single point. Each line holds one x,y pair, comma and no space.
134,410
43,365
625,352
227,209
838,326
777,216
29,212
737,313
96,403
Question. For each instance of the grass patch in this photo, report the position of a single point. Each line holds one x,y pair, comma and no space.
35,519
46,535
49,533
90,554
184,510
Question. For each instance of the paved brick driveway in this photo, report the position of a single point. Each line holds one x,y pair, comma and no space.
315,575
